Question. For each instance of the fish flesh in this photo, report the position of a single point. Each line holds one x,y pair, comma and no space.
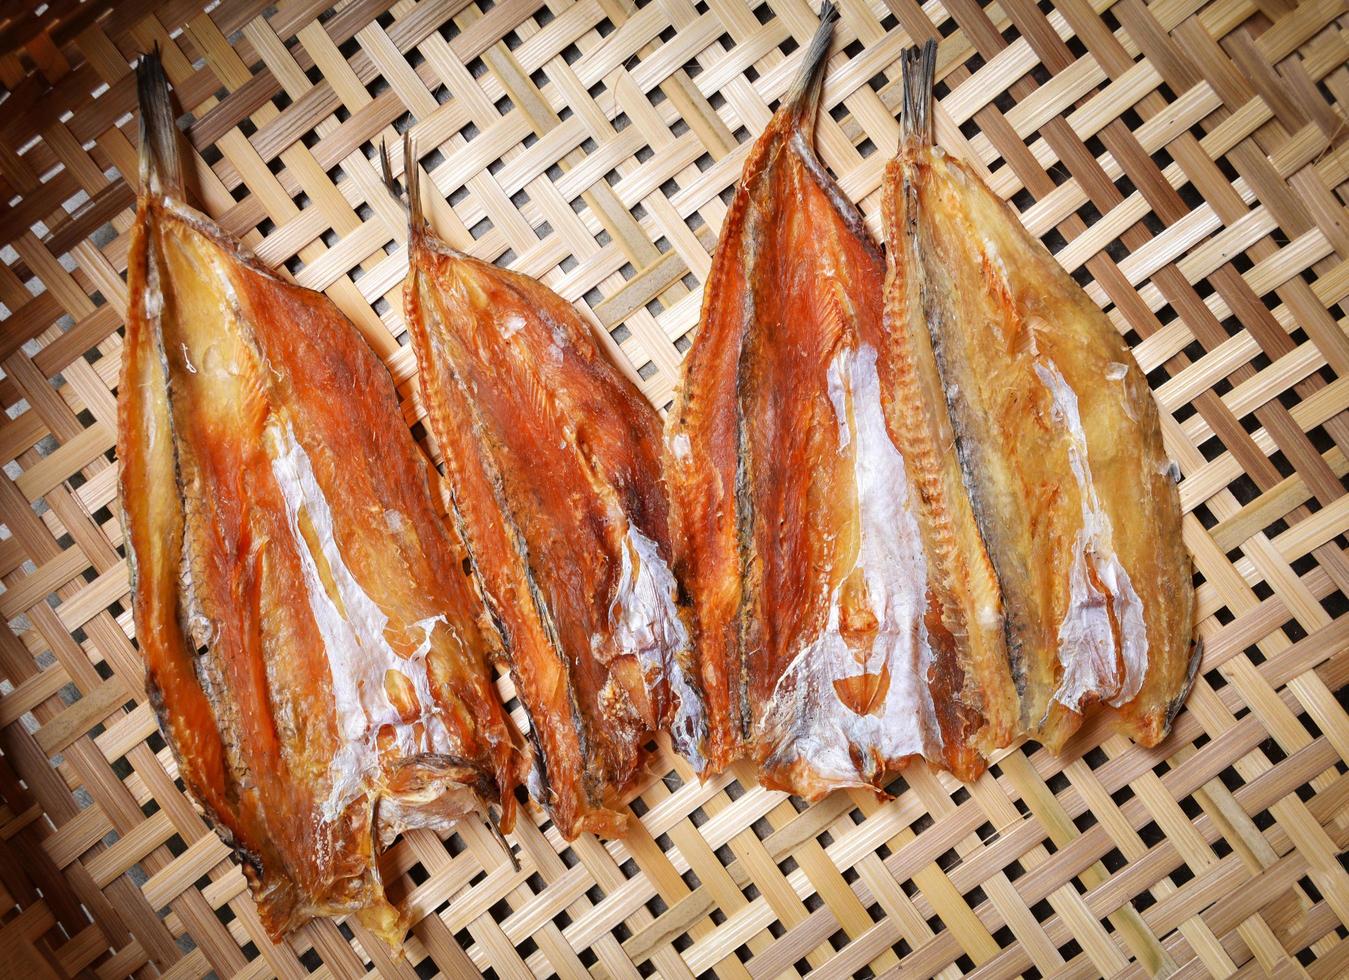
1059,442
316,655
553,459
847,618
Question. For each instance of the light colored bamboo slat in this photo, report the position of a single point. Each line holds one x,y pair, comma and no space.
1187,160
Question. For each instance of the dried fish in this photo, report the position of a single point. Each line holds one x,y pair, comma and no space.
553,459
1059,441
315,653
847,619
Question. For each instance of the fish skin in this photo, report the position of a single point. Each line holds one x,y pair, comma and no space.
262,453
553,458
1050,429
801,532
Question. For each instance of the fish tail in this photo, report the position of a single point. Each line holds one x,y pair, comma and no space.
804,95
412,174
160,165
918,70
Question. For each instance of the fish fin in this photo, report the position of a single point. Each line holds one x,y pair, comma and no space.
918,70
390,181
160,165
864,694
803,97
413,177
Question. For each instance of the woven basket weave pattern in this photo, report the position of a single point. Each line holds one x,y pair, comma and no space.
1187,161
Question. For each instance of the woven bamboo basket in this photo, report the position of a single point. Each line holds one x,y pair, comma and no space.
1187,161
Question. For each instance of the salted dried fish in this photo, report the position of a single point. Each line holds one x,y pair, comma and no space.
553,459
313,648
848,621
1059,441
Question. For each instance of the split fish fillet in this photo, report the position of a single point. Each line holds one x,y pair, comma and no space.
848,620
1059,442
553,457
314,650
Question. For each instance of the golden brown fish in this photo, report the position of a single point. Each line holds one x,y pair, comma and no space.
848,620
553,457
312,644
1059,443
